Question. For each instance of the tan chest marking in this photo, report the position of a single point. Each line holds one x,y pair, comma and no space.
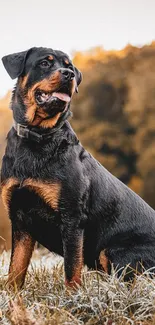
49,192
7,188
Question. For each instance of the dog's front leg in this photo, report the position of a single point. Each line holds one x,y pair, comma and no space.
72,238
22,248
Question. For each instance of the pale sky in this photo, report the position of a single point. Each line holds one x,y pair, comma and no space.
71,25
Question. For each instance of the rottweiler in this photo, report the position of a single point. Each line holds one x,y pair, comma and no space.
55,192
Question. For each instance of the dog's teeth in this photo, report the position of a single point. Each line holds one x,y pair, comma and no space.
44,96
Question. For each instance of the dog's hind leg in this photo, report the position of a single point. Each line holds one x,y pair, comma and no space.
133,260
22,248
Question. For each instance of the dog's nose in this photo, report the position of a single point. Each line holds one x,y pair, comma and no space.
68,74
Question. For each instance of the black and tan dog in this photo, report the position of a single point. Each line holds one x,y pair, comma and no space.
55,192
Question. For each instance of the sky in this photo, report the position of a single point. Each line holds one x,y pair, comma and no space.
72,26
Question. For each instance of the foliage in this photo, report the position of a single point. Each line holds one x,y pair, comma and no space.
114,113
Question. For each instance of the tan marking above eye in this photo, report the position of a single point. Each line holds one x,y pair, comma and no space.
66,61
50,57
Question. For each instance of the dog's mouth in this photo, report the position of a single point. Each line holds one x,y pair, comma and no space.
61,96
55,101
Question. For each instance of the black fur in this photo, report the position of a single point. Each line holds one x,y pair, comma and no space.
94,206
14,63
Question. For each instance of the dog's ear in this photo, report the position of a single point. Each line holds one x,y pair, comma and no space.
78,77
14,63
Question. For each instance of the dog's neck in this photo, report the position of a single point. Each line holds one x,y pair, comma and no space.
64,134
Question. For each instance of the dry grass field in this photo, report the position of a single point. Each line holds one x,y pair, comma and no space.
102,299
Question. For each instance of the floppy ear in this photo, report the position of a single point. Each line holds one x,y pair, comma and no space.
78,77
14,63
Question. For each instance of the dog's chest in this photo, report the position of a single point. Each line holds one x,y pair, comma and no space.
49,192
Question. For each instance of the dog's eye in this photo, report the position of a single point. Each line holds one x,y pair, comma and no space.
45,64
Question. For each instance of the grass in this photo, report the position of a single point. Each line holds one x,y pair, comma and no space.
101,299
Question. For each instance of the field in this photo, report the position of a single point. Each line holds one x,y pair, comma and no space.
102,299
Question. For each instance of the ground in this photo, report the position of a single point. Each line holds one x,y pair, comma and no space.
102,299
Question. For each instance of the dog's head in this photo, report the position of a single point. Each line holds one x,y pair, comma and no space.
47,80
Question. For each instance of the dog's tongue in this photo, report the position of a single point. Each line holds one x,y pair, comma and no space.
62,96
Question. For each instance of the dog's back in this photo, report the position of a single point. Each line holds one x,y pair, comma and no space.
124,223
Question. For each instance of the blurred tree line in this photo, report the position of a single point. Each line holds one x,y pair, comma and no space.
114,113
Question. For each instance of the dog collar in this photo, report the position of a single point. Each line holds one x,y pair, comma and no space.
23,131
